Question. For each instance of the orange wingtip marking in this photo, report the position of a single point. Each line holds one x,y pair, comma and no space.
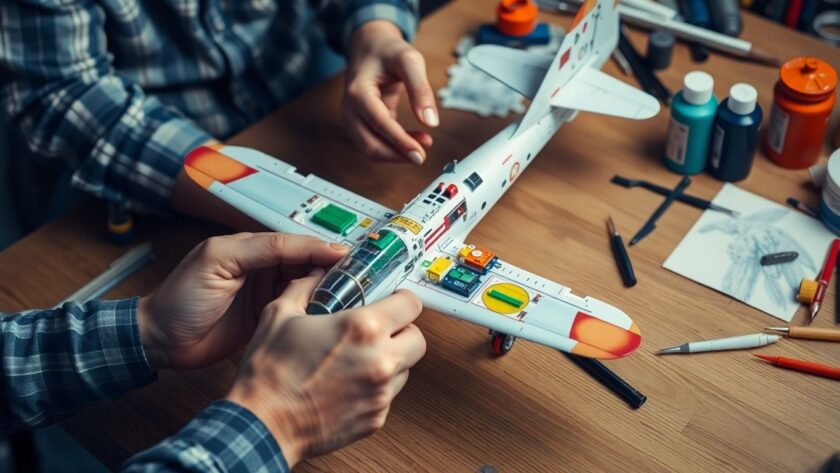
587,6
215,166
599,339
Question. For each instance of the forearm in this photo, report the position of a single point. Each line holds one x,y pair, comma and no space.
343,18
224,437
54,362
65,99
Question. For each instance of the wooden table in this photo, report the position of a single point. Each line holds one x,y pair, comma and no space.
532,410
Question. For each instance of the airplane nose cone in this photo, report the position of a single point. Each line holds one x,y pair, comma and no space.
599,339
337,291
317,308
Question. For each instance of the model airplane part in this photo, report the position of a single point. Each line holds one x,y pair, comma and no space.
422,247
471,90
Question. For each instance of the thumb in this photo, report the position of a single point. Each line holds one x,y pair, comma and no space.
295,297
411,68
240,254
298,291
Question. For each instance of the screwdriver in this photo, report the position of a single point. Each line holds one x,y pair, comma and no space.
621,256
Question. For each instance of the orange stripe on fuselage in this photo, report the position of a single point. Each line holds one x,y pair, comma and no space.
599,339
205,165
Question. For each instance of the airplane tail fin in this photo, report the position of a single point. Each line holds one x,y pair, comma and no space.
572,79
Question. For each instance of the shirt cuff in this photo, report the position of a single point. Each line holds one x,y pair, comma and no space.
223,437
109,329
142,173
401,13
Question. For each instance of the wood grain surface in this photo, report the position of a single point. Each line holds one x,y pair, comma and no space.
531,410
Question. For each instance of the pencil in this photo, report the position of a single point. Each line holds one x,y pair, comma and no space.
807,333
803,366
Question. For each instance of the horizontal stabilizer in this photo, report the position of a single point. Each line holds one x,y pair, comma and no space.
520,70
594,91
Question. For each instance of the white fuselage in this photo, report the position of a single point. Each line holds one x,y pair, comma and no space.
497,163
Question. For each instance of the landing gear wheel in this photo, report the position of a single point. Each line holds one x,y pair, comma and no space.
501,343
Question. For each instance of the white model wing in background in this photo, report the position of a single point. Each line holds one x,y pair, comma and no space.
520,70
513,301
594,91
273,193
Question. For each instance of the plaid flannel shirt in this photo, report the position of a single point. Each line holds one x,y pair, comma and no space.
54,362
121,90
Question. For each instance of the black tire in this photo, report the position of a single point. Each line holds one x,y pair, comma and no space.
501,343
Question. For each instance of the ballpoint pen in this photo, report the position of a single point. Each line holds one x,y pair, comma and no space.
741,342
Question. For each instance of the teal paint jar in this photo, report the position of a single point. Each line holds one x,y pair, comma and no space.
692,120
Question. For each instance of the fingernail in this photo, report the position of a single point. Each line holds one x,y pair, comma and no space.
430,116
317,272
415,157
339,247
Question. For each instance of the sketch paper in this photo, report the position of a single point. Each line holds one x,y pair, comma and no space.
723,253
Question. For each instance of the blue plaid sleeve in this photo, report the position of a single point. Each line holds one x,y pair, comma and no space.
342,18
224,437
55,362
63,97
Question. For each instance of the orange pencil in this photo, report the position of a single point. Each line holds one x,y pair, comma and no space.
803,366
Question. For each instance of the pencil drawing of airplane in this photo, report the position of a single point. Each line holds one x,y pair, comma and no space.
422,247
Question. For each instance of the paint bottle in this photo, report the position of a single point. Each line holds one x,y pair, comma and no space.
802,102
692,117
830,202
735,135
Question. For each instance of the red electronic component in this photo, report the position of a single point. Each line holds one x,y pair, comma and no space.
451,191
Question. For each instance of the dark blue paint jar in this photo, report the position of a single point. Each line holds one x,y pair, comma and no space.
735,134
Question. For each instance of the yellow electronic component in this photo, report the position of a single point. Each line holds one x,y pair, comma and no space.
807,290
366,223
438,269
406,223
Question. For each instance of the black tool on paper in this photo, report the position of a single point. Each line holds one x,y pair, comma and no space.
622,259
669,199
605,376
685,198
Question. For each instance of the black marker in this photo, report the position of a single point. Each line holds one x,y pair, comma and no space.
779,258
605,376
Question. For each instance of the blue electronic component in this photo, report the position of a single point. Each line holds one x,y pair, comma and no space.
488,34
461,280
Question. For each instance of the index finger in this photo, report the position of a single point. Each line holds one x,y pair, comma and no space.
265,250
396,311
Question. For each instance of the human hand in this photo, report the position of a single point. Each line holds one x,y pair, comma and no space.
380,64
209,306
319,383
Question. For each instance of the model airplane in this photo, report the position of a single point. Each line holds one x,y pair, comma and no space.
421,248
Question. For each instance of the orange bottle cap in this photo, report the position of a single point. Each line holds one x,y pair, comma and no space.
808,76
516,17
807,291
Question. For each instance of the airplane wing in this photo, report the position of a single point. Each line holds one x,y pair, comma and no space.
520,70
513,301
594,91
273,193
